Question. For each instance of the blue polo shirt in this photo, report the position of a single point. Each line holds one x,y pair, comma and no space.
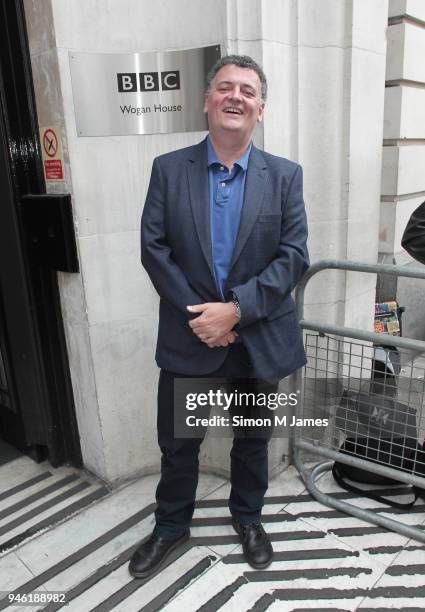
226,200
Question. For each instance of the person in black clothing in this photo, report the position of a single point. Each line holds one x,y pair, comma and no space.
414,235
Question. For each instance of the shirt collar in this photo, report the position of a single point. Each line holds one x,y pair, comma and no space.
242,161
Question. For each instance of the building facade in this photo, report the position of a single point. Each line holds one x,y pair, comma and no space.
328,109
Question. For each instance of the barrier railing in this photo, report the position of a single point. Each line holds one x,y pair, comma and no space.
350,392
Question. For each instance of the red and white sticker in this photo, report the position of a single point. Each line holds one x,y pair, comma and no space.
51,151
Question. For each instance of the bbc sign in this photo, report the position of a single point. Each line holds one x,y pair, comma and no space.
148,81
155,92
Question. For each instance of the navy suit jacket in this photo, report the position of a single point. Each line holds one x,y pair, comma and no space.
269,258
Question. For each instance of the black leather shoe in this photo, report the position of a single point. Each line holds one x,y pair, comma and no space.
152,553
256,545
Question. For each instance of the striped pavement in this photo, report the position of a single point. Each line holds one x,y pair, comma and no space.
63,531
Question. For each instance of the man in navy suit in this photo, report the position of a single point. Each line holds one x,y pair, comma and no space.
223,239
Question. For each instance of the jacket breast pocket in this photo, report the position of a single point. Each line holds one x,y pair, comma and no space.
266,236
270,218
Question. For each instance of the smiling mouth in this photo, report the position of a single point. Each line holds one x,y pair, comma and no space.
233,111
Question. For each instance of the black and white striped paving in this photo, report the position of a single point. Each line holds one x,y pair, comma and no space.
63,531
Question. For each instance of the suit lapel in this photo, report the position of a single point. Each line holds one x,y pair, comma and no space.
197,172
253,199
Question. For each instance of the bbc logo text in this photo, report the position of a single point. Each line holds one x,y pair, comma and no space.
130,82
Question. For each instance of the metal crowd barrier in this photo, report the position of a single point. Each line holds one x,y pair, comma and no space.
342,367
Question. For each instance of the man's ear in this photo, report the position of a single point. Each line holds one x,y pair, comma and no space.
260,113
205,103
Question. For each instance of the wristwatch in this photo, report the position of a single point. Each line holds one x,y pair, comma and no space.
237,306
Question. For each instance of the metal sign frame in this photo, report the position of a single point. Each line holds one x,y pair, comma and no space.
156,92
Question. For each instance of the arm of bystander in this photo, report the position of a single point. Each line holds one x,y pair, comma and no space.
414,235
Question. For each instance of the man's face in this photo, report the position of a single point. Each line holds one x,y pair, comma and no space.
234,102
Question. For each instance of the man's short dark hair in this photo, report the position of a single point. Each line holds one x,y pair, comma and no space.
241,61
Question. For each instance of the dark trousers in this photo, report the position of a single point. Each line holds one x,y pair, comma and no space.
176,491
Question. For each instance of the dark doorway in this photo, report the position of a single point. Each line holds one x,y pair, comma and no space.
37,414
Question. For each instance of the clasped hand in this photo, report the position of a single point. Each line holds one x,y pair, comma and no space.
215,323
